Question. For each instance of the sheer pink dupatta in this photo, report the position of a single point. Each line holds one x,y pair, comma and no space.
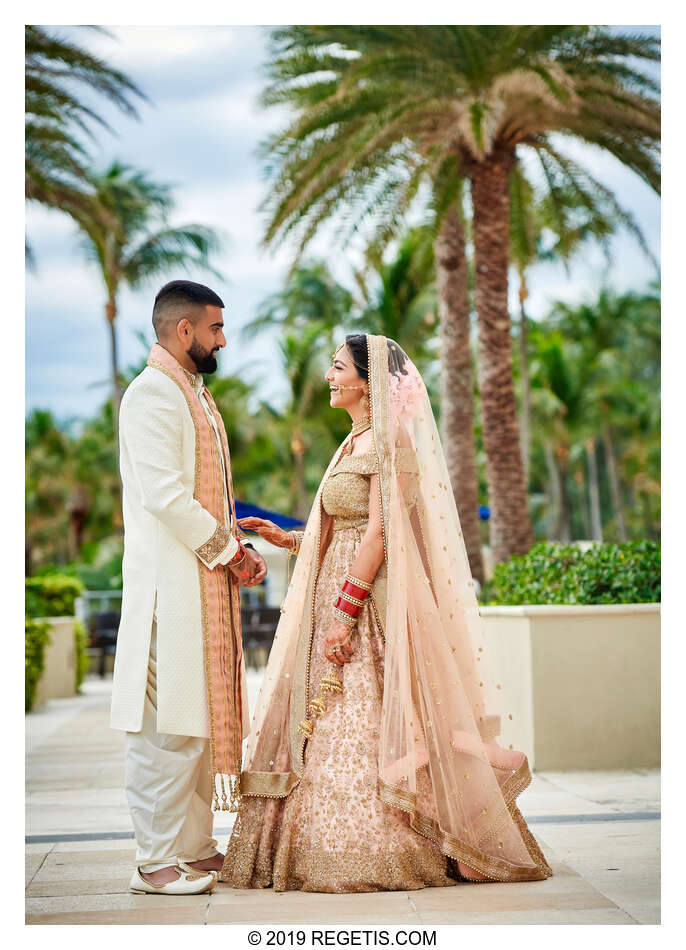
438,757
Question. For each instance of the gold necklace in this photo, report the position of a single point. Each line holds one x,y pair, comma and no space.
360,426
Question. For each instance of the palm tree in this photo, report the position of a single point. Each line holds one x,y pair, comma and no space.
303,356
619,335
125,231
58,120
571,211
397,296
310,295
394,105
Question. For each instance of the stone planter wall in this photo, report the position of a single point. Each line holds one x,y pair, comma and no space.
582,683
59,675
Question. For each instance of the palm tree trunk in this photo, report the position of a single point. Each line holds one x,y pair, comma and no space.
614,482
525,414
554,494
111,314
457,383
593,491
512,530
578,501
563,530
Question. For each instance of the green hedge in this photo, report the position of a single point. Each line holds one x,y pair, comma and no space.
37,637
52,595
554,573
81,641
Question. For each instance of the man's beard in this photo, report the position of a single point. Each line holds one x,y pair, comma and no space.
204,360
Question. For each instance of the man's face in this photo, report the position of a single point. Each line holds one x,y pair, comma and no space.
208,339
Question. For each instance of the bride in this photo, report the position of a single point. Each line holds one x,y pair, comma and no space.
372,762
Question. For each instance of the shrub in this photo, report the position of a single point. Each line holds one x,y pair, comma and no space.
37,637
52,595
81,641
554,573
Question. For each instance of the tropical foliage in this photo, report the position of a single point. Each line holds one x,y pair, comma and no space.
36,639
60,121
52,596
379,110
440,150
566,574
126,234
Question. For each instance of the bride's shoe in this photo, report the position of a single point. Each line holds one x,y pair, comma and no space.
473,880
196,883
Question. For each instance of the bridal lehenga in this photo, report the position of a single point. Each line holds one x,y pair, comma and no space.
400,776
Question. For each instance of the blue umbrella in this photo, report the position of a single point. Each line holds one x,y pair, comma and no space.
484,512
243,510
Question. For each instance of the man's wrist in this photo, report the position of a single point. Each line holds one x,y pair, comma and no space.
239,556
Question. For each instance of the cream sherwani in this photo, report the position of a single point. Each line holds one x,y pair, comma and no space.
165,531
159,694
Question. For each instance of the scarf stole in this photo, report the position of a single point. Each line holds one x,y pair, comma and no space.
219,595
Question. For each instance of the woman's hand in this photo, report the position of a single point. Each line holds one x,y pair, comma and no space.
338,636
268,530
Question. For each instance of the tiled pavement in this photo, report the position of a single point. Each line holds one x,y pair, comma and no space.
599,830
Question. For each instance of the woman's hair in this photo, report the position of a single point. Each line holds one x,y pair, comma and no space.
357,346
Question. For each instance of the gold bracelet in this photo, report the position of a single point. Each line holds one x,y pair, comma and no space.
295,541
358,583
344,617
351,599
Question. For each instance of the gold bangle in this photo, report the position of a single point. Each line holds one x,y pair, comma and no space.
351,599
295,541
344,617
358,583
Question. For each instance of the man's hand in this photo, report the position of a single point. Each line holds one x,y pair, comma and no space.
252,570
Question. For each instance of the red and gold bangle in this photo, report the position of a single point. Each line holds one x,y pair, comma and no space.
351,609
359,589
351,600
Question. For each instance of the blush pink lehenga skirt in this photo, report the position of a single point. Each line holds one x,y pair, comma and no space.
333,833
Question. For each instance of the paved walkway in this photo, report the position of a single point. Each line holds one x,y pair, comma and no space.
600,831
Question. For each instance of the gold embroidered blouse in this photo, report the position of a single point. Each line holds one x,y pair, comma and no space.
345,494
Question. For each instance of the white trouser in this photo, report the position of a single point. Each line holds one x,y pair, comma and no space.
168,788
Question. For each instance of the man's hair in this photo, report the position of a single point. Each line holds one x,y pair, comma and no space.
181,299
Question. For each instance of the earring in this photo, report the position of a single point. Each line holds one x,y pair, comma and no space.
364,403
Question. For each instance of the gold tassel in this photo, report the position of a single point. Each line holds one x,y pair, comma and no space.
317,707
224,806
306,728
234,793
329,683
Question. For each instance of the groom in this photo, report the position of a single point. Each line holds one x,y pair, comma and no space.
179,688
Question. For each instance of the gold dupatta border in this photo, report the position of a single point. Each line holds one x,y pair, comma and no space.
303,657
235,649
493,868
268,784
234,781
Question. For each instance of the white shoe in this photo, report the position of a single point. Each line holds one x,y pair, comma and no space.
197,883
191,870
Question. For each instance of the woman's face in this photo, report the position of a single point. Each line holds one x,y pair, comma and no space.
344,373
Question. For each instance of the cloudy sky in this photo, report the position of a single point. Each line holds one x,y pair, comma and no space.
199,133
